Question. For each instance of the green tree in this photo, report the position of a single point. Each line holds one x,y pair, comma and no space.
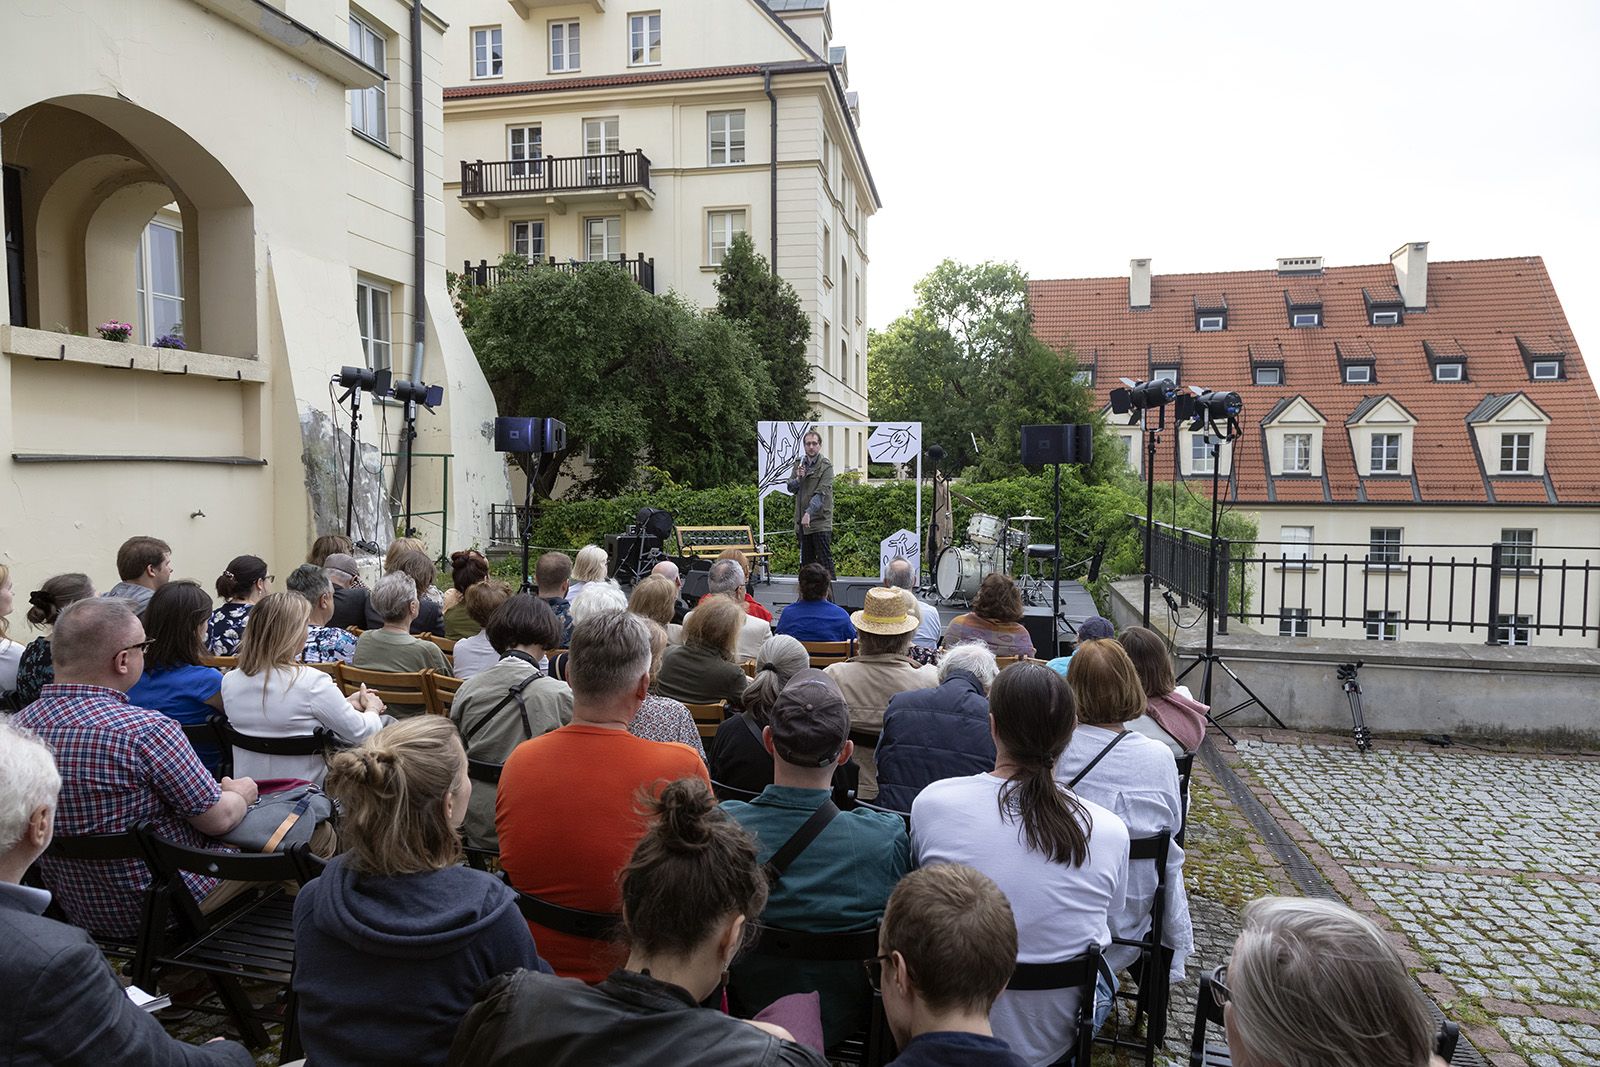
769,310
638,379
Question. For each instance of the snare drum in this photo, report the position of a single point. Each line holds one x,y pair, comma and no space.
960,571
984,529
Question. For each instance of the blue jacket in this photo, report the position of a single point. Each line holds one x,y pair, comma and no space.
816,620
931,734
949,1048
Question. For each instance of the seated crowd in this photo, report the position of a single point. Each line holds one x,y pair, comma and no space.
1005,804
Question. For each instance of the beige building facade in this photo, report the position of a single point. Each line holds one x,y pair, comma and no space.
651,134
237,174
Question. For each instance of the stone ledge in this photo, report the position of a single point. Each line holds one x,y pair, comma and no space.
19,342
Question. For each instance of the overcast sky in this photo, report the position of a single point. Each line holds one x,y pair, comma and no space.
1072,136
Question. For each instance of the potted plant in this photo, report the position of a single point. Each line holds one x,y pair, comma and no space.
169,340
114,330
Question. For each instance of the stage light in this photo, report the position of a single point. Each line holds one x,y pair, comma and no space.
1214,411
429,396
1140,396
366,379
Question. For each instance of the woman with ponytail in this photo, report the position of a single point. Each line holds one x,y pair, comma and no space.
738,757
395,937
241,586
688,895
1061,861
35,667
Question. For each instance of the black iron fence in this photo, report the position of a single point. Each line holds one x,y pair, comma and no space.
1505,593
505,524
555,174
484,273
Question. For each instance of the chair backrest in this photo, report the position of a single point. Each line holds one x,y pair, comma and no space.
823,653
330,669
574,922
358,631
392,687
221,663
167,859
1005,661
127,845
482,859
779,943
1185,772
447,645
1153,849
904,816
318,742
483,771
1080,973
749,668
707,717
444,692
728,792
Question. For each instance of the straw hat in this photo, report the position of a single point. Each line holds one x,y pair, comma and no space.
888,611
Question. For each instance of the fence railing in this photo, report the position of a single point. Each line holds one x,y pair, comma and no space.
555,174
484,273
1504,592
505,524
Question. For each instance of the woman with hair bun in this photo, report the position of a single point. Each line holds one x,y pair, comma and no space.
35,668
688,893
241,586
394,937
468,567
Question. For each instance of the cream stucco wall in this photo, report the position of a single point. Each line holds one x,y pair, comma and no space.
282,206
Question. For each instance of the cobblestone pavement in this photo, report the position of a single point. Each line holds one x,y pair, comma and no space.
1488,864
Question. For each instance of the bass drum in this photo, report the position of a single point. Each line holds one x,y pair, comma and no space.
960,571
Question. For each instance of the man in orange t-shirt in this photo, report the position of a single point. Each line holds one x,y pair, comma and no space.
567,810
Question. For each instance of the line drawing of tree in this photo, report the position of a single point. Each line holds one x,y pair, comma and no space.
780,448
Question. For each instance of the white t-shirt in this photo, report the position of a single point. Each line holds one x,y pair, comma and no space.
1138,780
290,702
1060,910
473,654
10,656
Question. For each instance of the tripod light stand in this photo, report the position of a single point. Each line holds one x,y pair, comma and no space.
355,380
1137,399
430,397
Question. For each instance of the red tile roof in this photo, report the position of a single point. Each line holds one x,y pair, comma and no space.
556,85
1481,307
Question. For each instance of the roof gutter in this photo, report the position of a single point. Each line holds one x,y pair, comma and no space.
772,212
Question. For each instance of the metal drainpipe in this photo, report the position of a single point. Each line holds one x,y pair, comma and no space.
419,239
772,101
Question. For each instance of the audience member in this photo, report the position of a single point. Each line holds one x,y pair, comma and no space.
477,653
656,599
324,643
669,570
870,680
662,718
590,566
35,668
703,670
241,586
271,694
396,919
552,574
1312,982
1060,860
1137,779
930,734
144,564
751,604
174,681
127,766
10,651
510,702
995,619
738,756
686,896
900,575
329,545
814,617
574,792
394,560
849,861
597,597
392,648
467,568
1171,713
63,1003
946,950
349,595
1094,628
430,613
725,580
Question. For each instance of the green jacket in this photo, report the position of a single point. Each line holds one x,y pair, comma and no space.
814,490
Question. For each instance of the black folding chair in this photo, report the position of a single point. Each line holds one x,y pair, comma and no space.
870,1047
483,771
128,845
1151,969
317,743
574,922
204,735
1185,772
1081,973
482,859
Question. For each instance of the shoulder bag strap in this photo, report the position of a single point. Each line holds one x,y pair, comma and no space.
754,728
514,693
802,838
1102,755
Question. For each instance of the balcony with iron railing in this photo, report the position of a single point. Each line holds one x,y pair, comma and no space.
555,182
488,275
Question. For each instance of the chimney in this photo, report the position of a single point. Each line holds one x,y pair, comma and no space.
1411,274
1138,283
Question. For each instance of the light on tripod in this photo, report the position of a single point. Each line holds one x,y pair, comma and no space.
366,379
1139,396
1213,410
429,396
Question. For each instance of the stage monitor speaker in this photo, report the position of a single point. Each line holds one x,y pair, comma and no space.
524,435
625,552
696,584
1064,443
1041,629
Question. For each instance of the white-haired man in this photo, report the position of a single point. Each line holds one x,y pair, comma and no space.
63,1004
726,578
669,570
929,734
901,576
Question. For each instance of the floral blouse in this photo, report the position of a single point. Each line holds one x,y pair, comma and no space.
663,719
226,629
328,644
35,670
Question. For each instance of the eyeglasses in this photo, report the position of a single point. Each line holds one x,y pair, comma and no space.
874,968
1220,994
142,646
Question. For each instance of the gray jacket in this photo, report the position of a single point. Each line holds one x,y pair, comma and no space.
813,492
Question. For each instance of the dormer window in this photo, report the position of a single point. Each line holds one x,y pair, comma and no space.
1084,376
1269,374
1169,373
1301,320
1516,453
1449,372
1447,359
1545,358
1510,431
1293,444
1546,370
1358,373
1210,312
1385,307
1381,432
1358,363
1305,308
1211,323
1386,318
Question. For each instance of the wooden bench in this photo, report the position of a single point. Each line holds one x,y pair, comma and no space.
709,542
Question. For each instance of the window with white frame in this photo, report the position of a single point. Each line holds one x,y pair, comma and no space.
721,228
1200,457
1383,625
1448,372
1304,319
488,53
1386,318
1385,453
527,239
1169,373
369,107
1513,630
644,38
158,282
1294,544
1082,375
524,148
602,139
1516,453
1297,453
1209,323
1358,373
565,54
602,238
1294,622
725,137
1269,374
1545,370
1383,544
1516,548
372,316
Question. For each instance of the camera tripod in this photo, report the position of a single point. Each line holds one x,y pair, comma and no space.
1352,690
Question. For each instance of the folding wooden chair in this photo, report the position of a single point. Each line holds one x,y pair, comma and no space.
447,645
443,692
749,668
707,717
1005,661
869,1047
408,691
823,653
1080,973
728,792
330,669
221,663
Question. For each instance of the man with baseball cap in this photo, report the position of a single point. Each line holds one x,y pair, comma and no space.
349,595
830,871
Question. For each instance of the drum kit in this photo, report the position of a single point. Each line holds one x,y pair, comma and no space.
994,544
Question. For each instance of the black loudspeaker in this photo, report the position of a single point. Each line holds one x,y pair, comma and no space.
516,433
554,436
696,584
627,550
1064,443
1041,629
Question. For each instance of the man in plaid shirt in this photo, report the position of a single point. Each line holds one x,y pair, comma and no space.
120,765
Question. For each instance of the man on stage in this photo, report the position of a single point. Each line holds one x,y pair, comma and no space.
812,485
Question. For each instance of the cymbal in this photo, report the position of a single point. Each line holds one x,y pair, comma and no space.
1026,518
